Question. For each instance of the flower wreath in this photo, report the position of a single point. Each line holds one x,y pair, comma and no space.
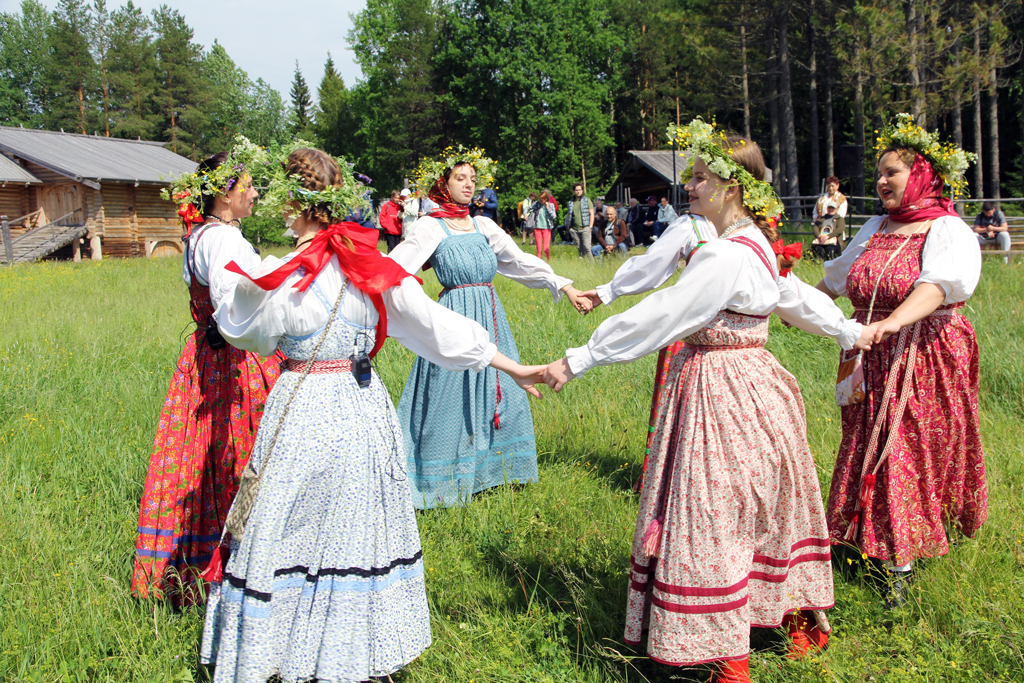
430,171
283,189
188,188
705,140
948,160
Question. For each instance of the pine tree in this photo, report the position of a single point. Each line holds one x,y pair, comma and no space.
23,61
301,103
181,89
334,125
100,44
71,70
132,76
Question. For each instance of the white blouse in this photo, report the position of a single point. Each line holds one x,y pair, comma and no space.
210,248
651,270
722,275
254,319
951,258
426,234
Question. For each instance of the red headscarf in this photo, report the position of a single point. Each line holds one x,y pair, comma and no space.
364,266
447,206
922,197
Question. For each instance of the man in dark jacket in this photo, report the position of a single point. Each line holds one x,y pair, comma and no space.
485,203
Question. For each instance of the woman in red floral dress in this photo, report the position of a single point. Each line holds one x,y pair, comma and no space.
911,461
214,404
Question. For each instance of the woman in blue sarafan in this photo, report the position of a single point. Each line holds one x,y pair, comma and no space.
466,433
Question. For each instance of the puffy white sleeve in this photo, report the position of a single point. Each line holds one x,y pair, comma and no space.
705,287
651,270
420,242
434,332
808,309
254,319
951,259
837,270
516,264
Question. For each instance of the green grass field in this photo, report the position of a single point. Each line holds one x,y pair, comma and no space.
527,583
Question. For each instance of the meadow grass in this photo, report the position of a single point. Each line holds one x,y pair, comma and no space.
527,583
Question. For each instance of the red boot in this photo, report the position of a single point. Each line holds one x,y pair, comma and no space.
805,636
732,671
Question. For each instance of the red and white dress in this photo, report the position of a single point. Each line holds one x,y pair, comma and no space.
206,431
934,473
744,539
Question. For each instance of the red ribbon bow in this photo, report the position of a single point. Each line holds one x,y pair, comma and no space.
791,252
364,266
189,216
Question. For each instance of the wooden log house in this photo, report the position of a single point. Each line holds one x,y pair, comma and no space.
103,192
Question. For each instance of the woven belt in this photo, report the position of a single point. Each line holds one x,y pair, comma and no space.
723,347
935,313
319,367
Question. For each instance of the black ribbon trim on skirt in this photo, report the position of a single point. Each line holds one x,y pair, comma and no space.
240,583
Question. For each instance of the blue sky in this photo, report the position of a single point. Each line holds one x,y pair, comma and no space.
265,37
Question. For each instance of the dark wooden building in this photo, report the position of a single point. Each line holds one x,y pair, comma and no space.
62,190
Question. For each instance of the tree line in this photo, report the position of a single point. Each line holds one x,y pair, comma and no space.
556,90
123,73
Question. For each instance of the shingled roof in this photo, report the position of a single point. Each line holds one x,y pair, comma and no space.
91,159
11,172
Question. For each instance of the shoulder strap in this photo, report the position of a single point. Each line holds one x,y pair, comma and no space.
443,227
757,250
190,260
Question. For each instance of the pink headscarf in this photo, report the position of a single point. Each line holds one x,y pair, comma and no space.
922,197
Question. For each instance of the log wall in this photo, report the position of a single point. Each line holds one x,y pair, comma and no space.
16,201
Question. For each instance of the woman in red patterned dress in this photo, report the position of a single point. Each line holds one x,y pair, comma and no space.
911,461
213,407
731,532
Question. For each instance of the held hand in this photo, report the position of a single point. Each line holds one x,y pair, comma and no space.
595,300
558,374
527,376
867,337
580,302
883,329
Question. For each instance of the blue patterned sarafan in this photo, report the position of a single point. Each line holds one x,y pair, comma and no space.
327,582
466,431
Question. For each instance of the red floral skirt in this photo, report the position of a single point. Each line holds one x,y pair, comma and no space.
206,433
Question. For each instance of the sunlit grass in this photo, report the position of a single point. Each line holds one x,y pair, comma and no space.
527,583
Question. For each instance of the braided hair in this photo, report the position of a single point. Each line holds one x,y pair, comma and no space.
318,170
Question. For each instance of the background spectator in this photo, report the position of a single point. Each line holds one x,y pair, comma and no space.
666,214
579,218
991,228
410,210
650,218
530,209
832,194
620,211
613,234
829,233
485,203
391,220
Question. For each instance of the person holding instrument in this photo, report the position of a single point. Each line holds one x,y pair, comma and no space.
730,532
324,579
217,393
910,464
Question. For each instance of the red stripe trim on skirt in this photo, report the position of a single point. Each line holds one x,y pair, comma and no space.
699,609
697,592
779,578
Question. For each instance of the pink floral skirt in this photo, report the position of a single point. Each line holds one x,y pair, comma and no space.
744,539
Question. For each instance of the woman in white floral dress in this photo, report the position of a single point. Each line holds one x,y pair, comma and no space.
326,582
731,532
